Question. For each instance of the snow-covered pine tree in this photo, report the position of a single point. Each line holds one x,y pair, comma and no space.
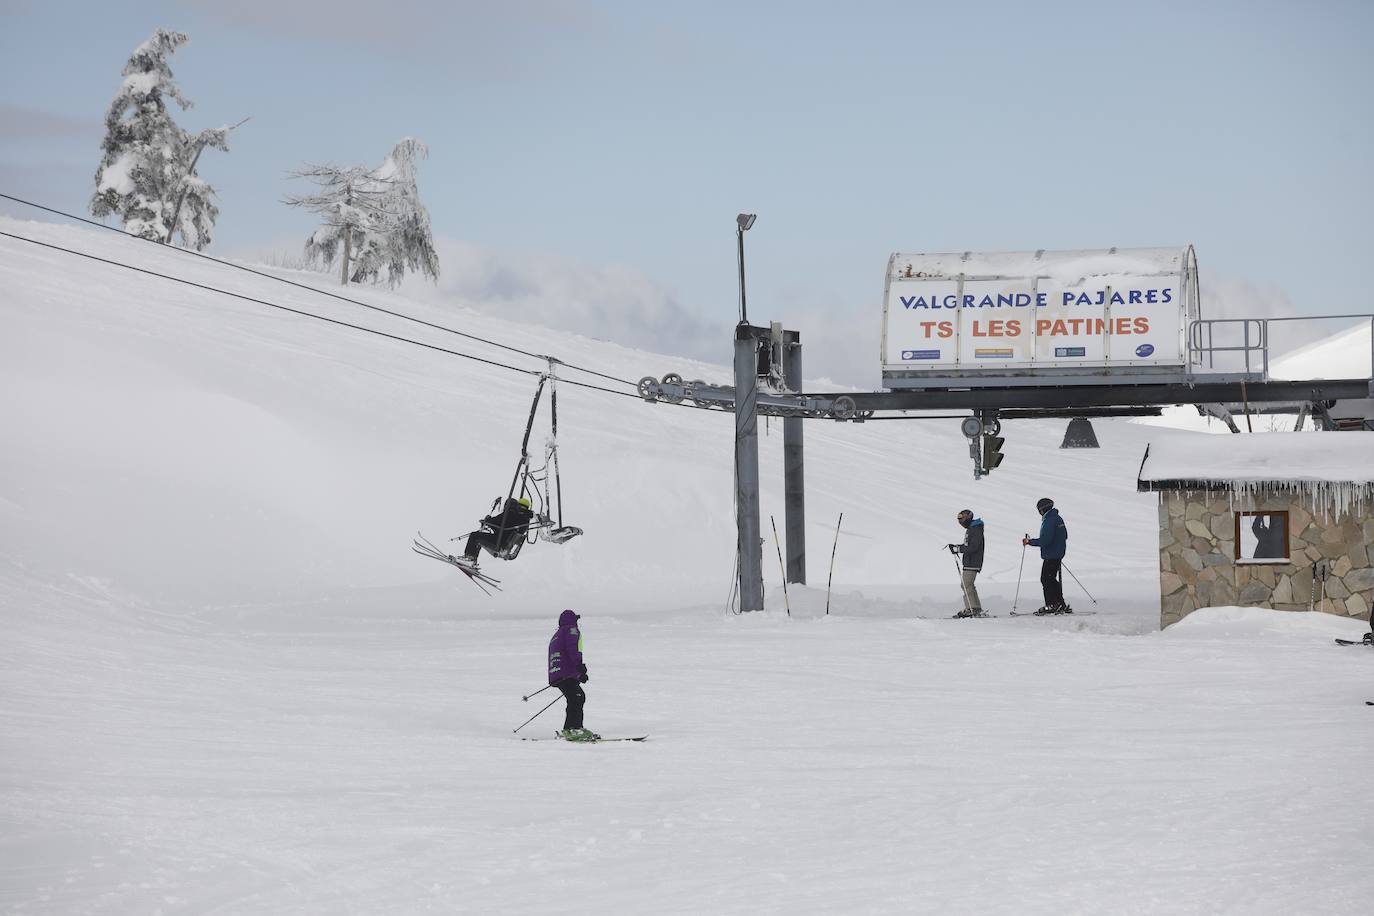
355,221
373,218
147,173
410,244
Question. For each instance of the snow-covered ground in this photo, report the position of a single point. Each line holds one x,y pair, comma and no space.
226,685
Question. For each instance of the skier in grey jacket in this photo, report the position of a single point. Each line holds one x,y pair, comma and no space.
971,552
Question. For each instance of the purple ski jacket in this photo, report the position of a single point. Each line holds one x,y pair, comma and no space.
565,650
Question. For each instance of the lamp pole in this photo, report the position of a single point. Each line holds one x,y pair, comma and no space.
749,544
742,223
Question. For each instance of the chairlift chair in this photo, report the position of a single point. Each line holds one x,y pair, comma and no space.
534,483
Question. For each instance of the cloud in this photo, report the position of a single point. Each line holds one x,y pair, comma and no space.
30,125
471,32
47,157
618,304
609,302
55,184
1229,297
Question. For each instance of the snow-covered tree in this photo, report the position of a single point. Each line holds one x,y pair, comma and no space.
350,201
373,218
410,245
147,175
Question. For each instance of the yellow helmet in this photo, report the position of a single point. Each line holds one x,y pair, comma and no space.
524,501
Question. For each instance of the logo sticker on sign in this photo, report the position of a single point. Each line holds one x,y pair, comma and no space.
920,354
1061,352
1144,350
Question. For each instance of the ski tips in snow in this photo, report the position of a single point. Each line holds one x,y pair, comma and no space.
1355,642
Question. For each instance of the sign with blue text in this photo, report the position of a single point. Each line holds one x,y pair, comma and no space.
1115,311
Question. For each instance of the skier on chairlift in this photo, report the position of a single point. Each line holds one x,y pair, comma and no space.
500,532
504,533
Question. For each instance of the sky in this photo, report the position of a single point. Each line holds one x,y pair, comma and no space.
587,159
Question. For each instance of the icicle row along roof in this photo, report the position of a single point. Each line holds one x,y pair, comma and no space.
1329,470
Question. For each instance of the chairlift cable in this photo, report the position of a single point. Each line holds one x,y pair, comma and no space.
357,327
304,286
274,305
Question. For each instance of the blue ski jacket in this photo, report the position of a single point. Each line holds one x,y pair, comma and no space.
1054,536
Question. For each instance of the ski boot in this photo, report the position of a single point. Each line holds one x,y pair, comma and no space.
970,612
466,562
1053,610
1369,639
579,734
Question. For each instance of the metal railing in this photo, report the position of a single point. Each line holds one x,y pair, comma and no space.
1250,338
1202,343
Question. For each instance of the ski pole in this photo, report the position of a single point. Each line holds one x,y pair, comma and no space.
536,693
783,569
538,714
960,573
1019,570
831,577
1080,584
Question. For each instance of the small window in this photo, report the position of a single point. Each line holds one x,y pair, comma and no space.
1261,537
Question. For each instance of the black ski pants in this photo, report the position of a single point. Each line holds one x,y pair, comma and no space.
477,540
572,692
1051,582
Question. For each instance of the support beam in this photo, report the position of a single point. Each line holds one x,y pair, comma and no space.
1043,401
747,526
1200,391
794,484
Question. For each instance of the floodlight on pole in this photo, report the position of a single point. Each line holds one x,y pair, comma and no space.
743,222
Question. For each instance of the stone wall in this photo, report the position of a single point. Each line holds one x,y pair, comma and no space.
1197,549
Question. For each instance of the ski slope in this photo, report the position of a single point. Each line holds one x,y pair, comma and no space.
228,686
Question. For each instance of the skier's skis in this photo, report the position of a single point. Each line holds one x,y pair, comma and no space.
426,548
588,741
963,617
1354,642
1056,614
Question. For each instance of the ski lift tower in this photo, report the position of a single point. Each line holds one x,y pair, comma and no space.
772,356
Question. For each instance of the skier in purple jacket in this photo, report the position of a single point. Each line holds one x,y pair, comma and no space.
568,672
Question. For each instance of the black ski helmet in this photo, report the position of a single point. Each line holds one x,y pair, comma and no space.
1044,505
965,517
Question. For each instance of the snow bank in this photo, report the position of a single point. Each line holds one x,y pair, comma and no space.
1343,355
1256,622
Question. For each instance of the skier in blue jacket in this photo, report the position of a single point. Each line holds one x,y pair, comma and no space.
568,672
1053,543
